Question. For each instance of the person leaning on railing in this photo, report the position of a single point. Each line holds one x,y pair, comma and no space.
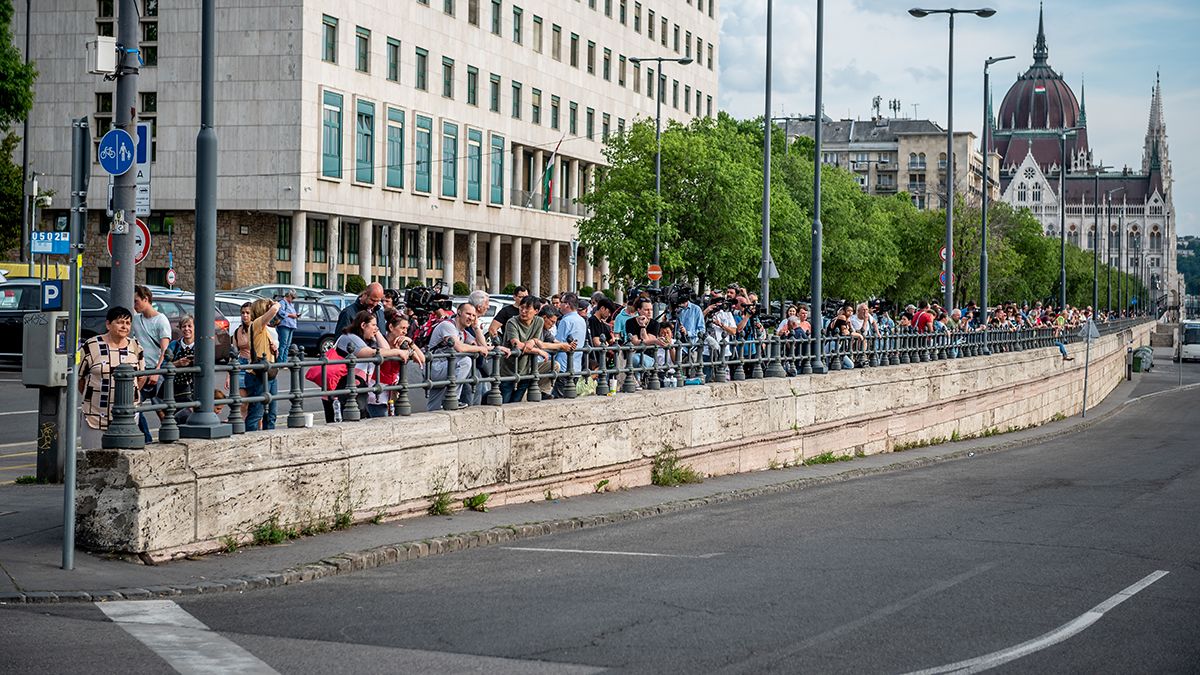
454,341
389,371
363,340
263,349
101,355
522,335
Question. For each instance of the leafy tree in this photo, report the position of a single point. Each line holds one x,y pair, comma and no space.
16,98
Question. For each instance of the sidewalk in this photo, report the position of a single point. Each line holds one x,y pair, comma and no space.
31,522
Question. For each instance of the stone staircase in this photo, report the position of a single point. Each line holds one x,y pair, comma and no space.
1163,335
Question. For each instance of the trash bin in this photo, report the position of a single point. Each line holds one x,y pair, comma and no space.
1143,359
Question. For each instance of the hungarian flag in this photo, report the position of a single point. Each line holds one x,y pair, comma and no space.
548,178
1039,88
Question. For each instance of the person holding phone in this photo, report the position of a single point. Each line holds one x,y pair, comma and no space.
183,355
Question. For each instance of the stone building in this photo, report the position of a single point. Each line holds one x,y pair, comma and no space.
403,141
890,155
1040,128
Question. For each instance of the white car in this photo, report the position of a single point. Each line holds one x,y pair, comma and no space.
495,303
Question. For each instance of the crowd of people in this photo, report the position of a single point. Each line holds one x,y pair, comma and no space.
561,346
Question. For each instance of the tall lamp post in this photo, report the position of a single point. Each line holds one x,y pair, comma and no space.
658,98
818,316
1108,250
987,153
985,12
1062,218
1097,170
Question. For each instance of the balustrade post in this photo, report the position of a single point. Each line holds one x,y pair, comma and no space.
450,400
237,420
168,429
629,384
570,388
296,417
350,411
123,431
775,365
403,402
602,382
534,393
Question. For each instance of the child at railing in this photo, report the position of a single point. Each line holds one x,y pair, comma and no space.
666,356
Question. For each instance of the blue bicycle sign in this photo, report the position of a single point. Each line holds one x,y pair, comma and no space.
116,152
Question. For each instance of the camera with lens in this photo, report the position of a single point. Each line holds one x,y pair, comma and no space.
677,296
425,299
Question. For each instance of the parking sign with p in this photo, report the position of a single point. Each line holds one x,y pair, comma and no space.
52,296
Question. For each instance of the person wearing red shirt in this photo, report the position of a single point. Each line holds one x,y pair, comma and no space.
923,321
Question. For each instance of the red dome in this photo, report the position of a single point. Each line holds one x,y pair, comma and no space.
1039,99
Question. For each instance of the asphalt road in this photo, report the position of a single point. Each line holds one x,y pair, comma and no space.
1079,554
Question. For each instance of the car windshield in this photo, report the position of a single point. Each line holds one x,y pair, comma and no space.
1191,336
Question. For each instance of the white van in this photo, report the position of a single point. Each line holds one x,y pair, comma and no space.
1189,347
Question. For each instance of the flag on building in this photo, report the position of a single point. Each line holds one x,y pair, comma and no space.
548,178
1039,89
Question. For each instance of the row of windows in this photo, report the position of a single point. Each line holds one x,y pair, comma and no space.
317,244
148,25
592,57
382,141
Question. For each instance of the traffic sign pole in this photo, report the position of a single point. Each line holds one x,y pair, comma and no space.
128,64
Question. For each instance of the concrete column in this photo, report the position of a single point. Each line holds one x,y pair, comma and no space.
299,247
472,259
494,264
366,241
518,180
422,253
574,187
555,266
517,244
589,272
333,246
605,281
535,267
396,242
539,169
448,259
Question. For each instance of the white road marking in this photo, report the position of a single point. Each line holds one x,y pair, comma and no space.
19,412
180,639
17,444
1063,632
628,553
763,661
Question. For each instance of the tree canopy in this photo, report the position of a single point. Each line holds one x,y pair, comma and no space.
873,246
16,99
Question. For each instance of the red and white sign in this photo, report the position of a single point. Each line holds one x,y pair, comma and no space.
141,242
654,272
942,253
171,277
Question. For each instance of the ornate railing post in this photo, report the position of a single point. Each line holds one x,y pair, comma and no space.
629,384
350,411
168,429
493,396
534,393
123,431
237,419
602,388
296,418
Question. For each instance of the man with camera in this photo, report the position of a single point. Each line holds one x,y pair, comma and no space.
370,300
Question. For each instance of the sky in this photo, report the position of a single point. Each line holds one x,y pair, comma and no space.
873,47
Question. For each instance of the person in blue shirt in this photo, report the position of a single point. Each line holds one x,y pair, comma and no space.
691,331
571,330
287,323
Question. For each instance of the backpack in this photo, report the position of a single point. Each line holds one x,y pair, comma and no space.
421,339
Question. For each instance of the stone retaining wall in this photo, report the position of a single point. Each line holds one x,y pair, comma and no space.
175,499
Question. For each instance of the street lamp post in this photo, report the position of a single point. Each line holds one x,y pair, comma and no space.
987,151
1097,170
1062,219
818,317
1108,250
985,12
658,97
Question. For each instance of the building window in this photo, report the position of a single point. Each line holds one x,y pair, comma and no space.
699,98
494,94
349,246
497,172
662,33
574,50
637,17
283,238
472,85
329,26
608,8
537,34
496,9
448,7
518,24
687,99
362,49
606,66
473,12
591,123
282,277
710,54
318,236
708,101
621,70
474,164
149,26
395,148
637,78
1037,193
620,125
687,45
699,51
449,159
605,125
554,104
650,24
319,280
447,77
379,246
675,94
536,109
650,83
1021,194
331,136
104,18
573,118
556,42
424,149
393,59
622,11
591,57
364,144
675,38
422,69
516,100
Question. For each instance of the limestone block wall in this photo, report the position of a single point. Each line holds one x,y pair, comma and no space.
173,499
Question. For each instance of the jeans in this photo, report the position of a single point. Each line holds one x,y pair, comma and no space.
285,342
513,392
255,411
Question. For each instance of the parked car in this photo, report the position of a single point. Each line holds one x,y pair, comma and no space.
20,297
315,327
174,308
340,301
230,306
495,303
271,291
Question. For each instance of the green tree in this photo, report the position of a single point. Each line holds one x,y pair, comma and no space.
16,98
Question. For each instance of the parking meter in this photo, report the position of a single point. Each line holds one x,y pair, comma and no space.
44,367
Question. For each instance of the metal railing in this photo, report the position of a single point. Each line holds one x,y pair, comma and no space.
449,377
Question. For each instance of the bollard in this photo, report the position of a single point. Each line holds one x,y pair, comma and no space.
653,381
122,431
775,365
493,395
168,429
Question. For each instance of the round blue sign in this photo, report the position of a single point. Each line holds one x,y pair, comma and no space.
116,152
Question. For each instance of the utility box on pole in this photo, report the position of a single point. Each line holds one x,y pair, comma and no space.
44,367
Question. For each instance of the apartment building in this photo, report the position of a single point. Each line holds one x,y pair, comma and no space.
409,141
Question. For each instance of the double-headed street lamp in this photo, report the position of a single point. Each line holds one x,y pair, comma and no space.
658,98
919,13
1062,218
987,153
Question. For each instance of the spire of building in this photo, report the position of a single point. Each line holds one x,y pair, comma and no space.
1040,52
1154,152
1083,102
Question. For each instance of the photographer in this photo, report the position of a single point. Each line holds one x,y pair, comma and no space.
370,300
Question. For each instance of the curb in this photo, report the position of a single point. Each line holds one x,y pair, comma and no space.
389,554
